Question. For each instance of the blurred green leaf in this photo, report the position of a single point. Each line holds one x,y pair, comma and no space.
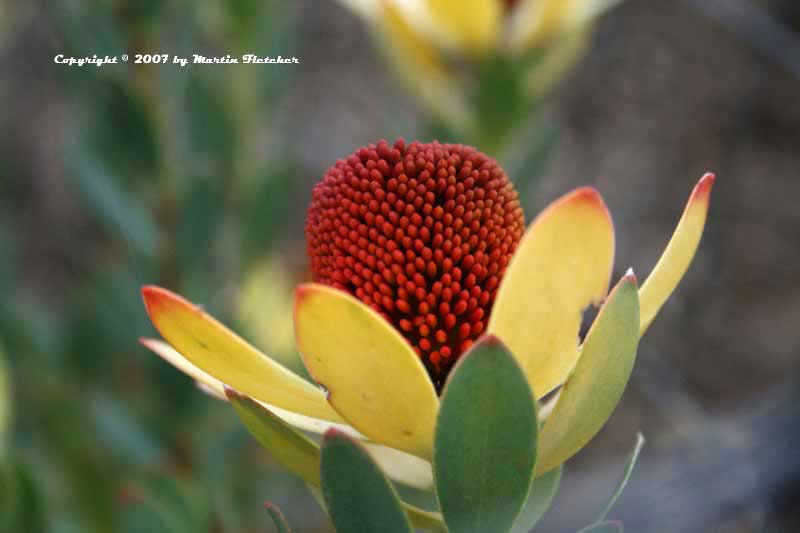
21,504
126,143
281,526
534,164
266,210
210,128
539,499
110,303
603,527
359,497
162,503
118,430
626,476
106,37
119,210
200,214
485,446
5,404
500,102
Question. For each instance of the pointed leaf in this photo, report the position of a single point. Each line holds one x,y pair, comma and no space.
281,525
678,254
373,377
358,496
222,354
562,264
595,387
626,476
485,441
541,496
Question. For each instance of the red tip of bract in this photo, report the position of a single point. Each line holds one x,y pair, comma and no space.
630,276
590,197
334,433
155,296
233,394
702,191
422,233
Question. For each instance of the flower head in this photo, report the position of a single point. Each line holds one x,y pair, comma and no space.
393,231
422,234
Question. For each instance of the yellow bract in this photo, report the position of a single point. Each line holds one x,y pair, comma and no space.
373,377
216,388
678,254
468,25
593,390
420,65
562,264
535,23
219,352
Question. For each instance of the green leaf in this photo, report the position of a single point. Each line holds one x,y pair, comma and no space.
485,447
118,209
358,496
120,129
118,429
604,527
500,102
289,447
163,503
209,127
266,209
626,476
541,496
21,503
5,404
281,526
596,385
301,455
200,216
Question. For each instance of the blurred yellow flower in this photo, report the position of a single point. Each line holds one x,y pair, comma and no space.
269,320
432,43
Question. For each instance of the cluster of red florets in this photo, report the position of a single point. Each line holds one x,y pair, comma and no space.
422,233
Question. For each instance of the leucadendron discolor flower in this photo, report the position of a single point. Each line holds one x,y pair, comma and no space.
441,48
418,250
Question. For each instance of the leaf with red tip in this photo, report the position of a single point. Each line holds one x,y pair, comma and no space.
562,265
596,385
373,377
281,525
678,254
225,356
